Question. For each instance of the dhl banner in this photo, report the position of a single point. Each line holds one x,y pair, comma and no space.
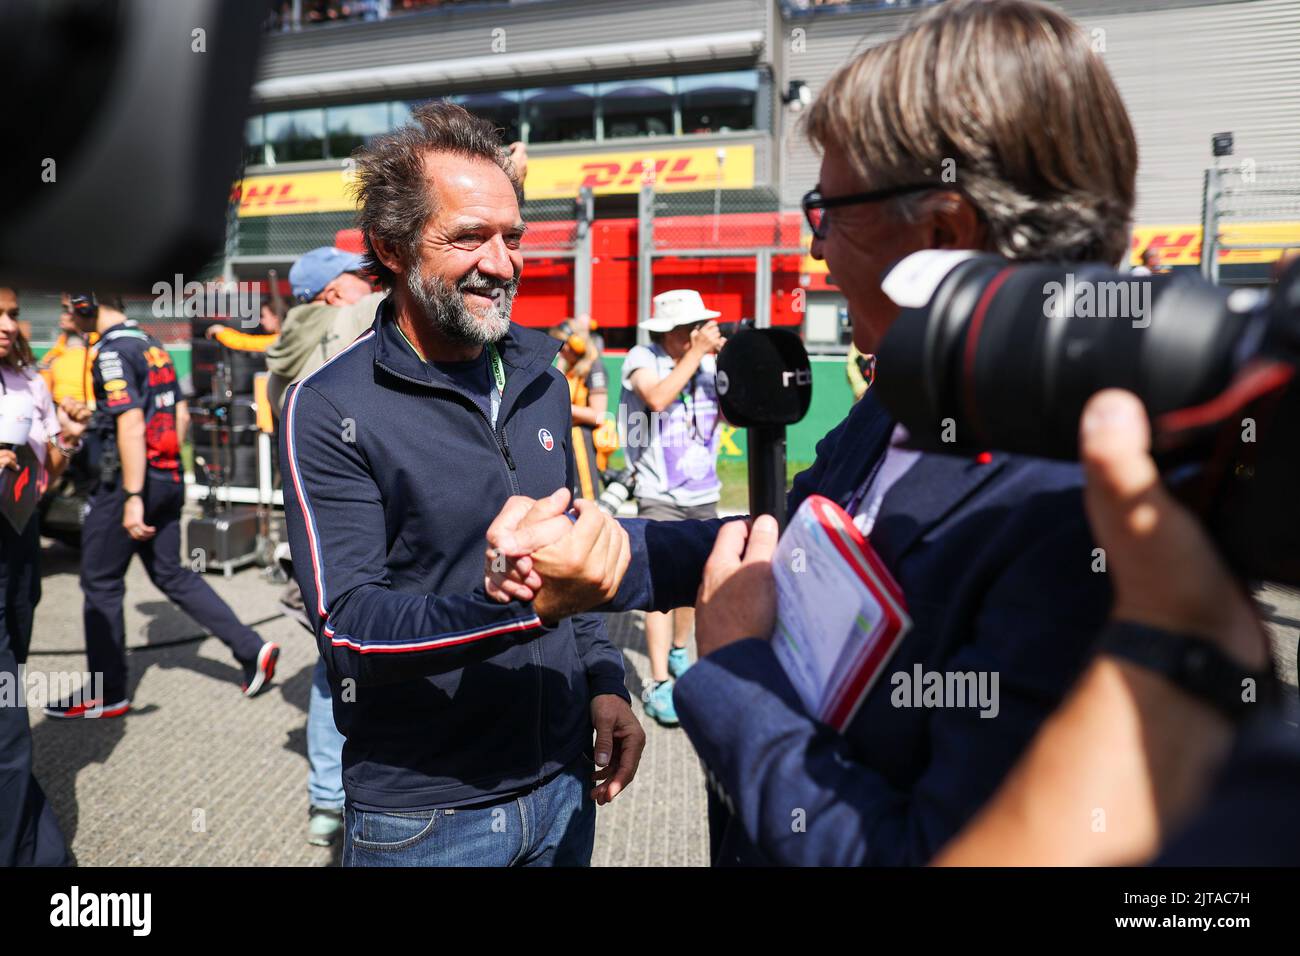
673,170
1180,245
549,177
280,195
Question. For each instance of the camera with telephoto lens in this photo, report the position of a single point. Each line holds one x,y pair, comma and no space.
618,488
992,354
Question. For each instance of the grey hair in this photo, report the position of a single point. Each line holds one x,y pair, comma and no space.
1069,228
1009,96
393,197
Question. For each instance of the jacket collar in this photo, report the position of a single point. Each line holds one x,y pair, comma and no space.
929,492
525,353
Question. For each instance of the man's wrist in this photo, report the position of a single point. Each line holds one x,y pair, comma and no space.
600,687
1194,665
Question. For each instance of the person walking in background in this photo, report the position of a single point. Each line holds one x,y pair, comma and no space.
136,509
671,396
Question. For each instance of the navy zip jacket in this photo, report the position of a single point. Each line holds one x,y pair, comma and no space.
995,559
393,474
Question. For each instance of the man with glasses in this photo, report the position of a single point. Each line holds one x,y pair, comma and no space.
991,553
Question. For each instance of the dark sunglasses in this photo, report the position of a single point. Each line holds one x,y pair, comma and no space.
815,205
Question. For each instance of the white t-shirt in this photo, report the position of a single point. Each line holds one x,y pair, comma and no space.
675,451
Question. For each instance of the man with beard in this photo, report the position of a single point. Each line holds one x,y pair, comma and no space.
468,723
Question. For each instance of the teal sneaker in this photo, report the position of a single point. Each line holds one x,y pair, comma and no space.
658,702
324,826
678,662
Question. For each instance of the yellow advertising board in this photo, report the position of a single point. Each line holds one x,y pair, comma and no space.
292,193
1180,245
549,177
673,170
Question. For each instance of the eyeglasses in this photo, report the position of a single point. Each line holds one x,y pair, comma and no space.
815,205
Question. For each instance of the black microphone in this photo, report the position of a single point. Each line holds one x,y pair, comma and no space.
765,384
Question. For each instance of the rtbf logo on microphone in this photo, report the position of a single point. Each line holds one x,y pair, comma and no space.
800,376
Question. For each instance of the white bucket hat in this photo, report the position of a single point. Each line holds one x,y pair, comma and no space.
677,307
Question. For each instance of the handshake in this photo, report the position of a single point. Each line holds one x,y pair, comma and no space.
538,552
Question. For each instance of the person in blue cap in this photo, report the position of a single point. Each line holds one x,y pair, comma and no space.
336,305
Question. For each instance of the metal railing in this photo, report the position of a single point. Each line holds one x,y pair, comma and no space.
1260,200
713,224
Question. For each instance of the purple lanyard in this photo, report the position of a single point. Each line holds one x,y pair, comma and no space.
856,497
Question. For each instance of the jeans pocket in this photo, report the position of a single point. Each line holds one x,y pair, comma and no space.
392,831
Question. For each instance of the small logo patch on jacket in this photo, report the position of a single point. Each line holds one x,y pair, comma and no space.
544,436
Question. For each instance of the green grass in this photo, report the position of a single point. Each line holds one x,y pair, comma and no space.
735,479
735,482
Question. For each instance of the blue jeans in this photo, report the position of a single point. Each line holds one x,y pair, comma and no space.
324,745
553,825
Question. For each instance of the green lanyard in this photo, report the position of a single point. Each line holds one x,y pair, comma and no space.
494,357
498,369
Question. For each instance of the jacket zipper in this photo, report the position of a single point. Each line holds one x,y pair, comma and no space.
511,472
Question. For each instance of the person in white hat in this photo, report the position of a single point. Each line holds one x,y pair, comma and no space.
671,438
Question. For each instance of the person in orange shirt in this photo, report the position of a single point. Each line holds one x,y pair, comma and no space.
66,367
258,341
579,360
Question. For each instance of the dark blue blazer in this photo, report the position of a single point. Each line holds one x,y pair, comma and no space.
995,560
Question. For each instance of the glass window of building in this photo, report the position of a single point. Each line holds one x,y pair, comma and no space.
561,114
255,141
636,108
295,135
501,109
399,111
350,127
717,102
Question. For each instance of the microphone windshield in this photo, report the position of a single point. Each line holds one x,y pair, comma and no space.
764,378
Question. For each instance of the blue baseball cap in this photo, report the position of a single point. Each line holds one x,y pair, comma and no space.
316,269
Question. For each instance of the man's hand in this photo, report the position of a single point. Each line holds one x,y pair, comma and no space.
564,567
1165,570
584,568
708,338
133,520
8,459
79,412
71,425
619,742
524,525
737,597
